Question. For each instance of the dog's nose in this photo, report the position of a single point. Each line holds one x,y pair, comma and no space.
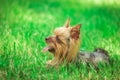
46,39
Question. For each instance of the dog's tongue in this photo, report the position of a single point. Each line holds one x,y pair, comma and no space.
46,49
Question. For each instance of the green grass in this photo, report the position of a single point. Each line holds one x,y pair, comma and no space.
25,24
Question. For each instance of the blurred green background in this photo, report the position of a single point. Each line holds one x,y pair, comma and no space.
25,23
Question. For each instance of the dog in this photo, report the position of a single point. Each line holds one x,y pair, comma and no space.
64,44
98,55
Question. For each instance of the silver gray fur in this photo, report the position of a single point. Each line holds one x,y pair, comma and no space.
98,55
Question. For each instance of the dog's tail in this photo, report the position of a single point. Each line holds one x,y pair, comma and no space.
100,50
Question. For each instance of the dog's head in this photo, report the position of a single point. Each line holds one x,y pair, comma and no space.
64,40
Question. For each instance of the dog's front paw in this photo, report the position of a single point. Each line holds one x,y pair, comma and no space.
51,63
48,62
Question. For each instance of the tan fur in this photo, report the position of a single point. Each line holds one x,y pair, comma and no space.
65,42
73,50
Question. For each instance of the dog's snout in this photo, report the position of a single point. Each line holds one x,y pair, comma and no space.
46,39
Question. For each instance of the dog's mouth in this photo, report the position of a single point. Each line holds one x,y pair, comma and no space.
49,48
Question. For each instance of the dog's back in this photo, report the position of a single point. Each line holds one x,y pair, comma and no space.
98,55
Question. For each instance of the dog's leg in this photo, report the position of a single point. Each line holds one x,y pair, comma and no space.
52,62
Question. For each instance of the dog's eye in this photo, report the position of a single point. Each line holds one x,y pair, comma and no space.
68,39
58,39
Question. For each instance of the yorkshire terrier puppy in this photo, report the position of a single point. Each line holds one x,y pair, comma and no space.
64,44
98,55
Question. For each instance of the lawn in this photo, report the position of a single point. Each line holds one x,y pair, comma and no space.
24,24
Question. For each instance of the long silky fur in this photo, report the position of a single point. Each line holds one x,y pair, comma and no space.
74,48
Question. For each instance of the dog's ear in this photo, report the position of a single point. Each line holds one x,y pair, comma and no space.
67,23
75,32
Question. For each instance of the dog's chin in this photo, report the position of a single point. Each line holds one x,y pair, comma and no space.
50,49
